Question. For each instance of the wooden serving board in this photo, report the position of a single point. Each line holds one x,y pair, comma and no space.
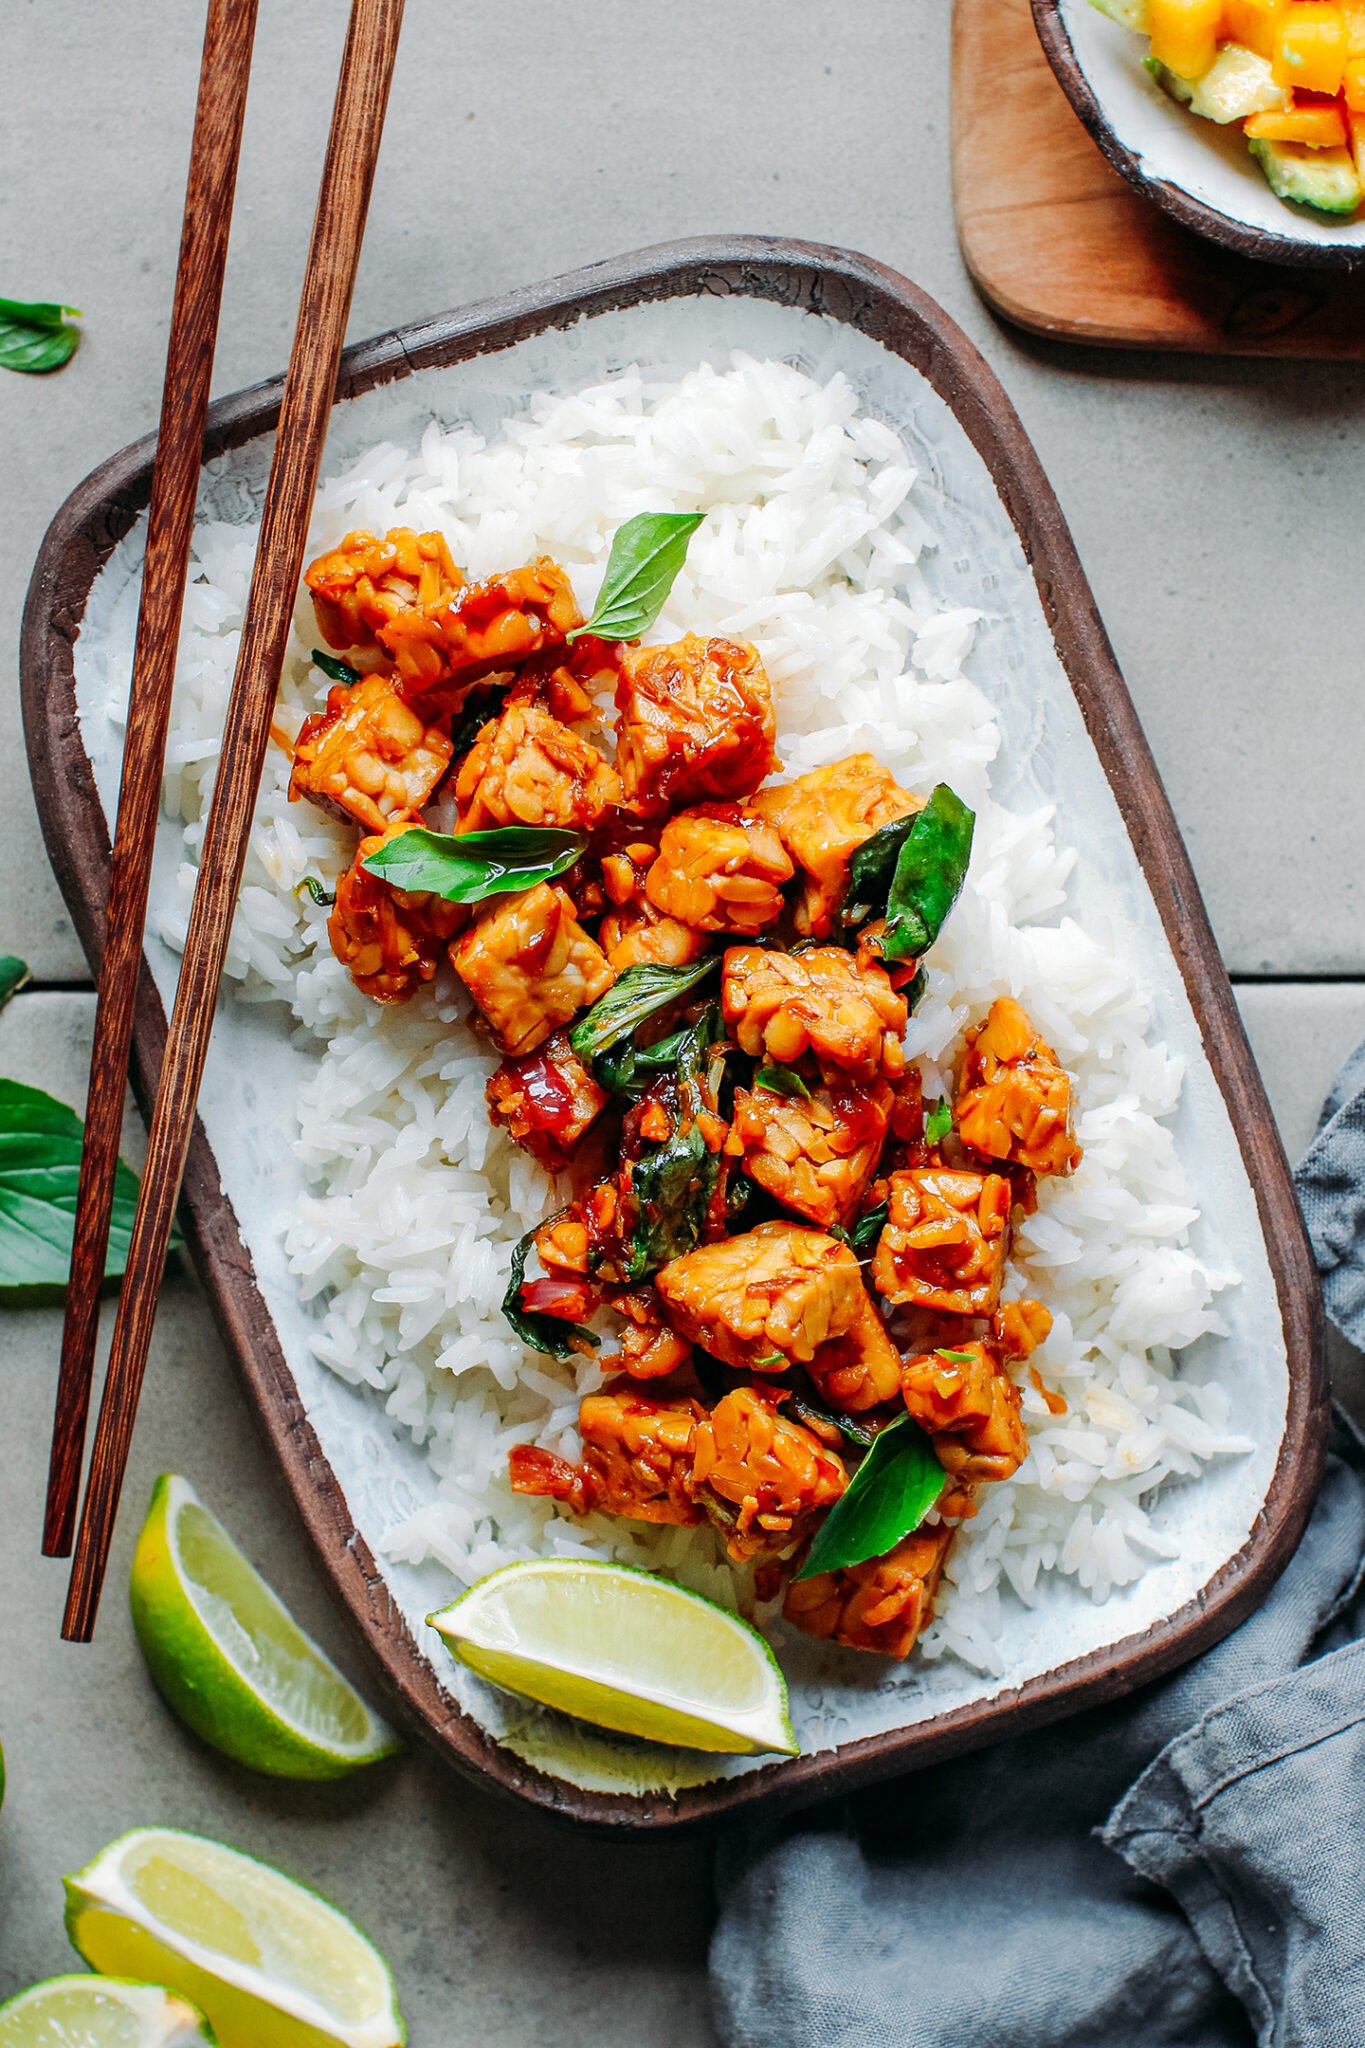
1058,243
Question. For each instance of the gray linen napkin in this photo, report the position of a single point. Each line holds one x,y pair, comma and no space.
1185,1869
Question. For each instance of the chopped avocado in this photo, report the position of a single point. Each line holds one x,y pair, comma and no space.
1325,179
1237,84
1178,88
1134,14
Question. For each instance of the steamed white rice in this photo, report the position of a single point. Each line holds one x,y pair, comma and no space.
810,548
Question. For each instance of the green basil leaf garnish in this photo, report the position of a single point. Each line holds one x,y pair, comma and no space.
536,1330
930,870
954,1357
629,1069
13,974
870,870
868,1228
466,867
781,1081
40,1164
339,671
36,337
646,554
639,992
889,1495
938,1123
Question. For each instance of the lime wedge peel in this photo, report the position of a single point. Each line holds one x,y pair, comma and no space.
100,2012
623,1649
270,1962
229,1658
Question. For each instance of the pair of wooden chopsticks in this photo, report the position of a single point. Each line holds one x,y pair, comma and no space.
338,226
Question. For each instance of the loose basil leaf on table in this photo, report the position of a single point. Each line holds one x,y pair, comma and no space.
781,1081
938,1123
637,995
536,1330
36,337
339,671
930,870
646,554
13,974
40,1163
888,1496
466,867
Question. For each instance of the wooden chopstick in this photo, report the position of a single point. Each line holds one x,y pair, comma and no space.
214,154
348,173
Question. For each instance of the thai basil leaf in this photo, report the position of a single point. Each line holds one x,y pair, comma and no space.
889,1495
938,1123
339,671
671,1189
466,867
629,1069
870,870
36,337
467,729
865,1232
781,1081
807,1410
930,870
646,554
312,888
13,974
40,1163
536,1330
670,1193
639,992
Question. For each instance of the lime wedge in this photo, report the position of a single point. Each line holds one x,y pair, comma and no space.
625,1650
272,1964
100,2012
230,1659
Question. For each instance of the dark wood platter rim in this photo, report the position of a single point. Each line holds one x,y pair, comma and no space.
1173,199
879,303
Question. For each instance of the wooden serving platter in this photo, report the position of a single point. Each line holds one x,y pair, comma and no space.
1058,243
1051,665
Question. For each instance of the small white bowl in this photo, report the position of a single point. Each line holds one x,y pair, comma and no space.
1200,173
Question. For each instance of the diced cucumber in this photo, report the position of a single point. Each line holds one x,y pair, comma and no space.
1237,83
1134,14
1325,179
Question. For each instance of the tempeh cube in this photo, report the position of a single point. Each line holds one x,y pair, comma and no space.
946,1240
530,966
368,757
696,723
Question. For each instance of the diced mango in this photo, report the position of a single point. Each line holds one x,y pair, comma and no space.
1317,127
1252,23
1185,34
1356,123
1353,84
1310,46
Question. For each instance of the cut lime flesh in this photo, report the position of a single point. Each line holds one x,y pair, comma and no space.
270,1963
230,1659
100,2012
625,1650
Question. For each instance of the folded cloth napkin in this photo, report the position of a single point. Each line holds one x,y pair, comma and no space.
1185,1869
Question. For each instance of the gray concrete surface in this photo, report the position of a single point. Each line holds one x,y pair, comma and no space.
522,143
